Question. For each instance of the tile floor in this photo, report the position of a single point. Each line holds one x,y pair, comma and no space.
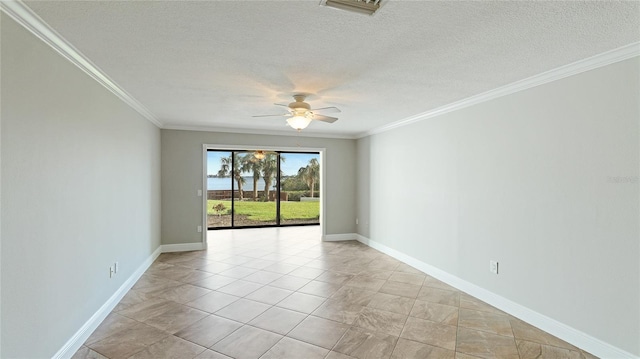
282,293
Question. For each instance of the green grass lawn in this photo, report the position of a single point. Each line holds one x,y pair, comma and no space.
266,211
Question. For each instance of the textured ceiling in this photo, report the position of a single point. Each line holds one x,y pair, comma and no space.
214,64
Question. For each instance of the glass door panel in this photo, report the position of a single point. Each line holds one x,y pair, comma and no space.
300,188
262,188
256,204
219,189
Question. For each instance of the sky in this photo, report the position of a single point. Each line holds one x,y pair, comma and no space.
290,166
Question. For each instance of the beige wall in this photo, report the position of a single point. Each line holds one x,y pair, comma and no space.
545,181
182,176
80,174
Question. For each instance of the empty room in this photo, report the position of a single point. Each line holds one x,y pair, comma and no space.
320,179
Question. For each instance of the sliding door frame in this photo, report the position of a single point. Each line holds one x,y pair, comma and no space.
279,149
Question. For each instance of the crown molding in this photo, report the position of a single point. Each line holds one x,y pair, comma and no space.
253,131
590,63
24,16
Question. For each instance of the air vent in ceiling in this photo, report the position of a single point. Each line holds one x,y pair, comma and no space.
368,7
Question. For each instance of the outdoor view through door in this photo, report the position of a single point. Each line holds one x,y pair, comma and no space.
262,188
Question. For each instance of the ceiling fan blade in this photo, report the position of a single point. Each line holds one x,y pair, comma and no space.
330,109
284,114
281,104
325,118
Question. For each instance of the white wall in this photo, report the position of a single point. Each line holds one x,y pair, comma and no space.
545,181
182,175
80,189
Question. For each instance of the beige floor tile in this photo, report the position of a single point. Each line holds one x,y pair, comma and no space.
339,311
128,342
169,348
217,267
288,348
182,293
238,272
210,354
381,321
243,310
132,297
247,343
208,331
465,356
409,278
86,353
408,349
214,282
290,282
401,289
296,260
262,277
237,260
278,320
176,318
319,331
259,263
424,331
405,268
435,283
334,277
301,302
148,309
392,303
306,272
150,283
213,301
486,345
336,355
112,324
369,296
485,321
240,288
269,295
322,289
440,296
476,304
351,295
361,343
376,273
531,350
524,331
435,312
282,268
364,282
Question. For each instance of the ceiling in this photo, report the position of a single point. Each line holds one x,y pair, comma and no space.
213,64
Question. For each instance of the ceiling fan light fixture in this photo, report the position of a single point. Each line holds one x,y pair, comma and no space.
259,155
298,122
367,7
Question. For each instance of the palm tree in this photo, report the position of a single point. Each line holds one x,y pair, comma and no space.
226,168
253,165
310,174
269,171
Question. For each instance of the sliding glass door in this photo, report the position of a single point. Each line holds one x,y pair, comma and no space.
262,188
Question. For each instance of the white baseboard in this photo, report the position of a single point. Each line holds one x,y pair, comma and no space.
340,237
76,341
570,335
182,247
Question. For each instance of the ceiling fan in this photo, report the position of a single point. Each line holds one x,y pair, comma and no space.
301,114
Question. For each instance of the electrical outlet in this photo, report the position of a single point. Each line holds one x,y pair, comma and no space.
199,229
493,266
356,221
199,193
